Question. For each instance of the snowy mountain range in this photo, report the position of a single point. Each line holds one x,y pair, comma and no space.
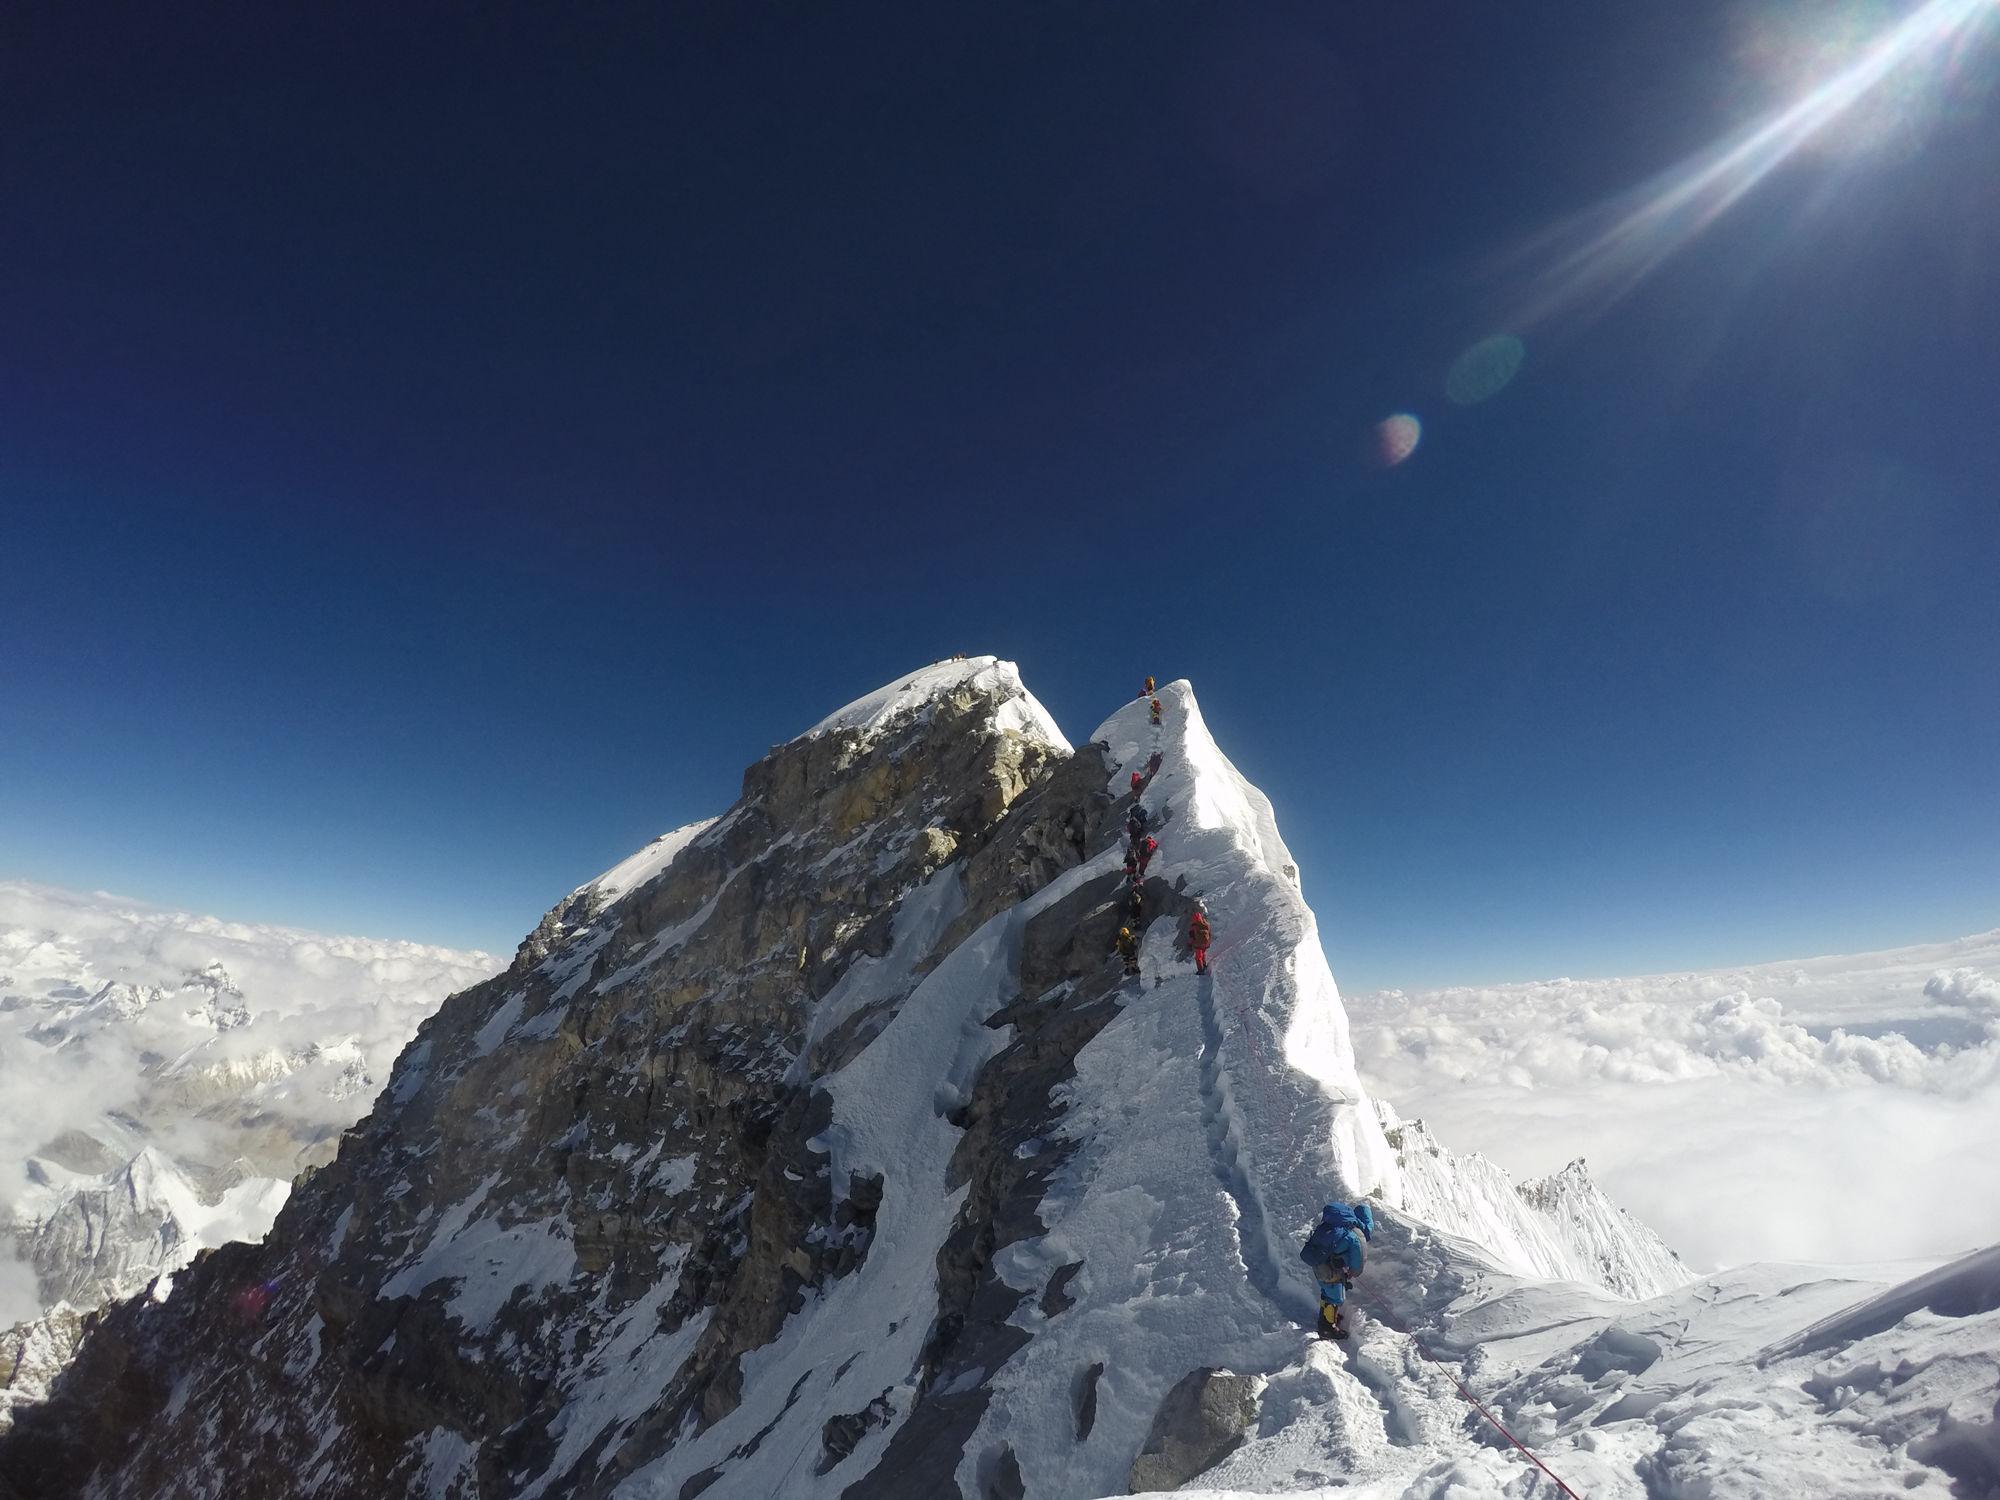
823,1149
1561,1226
164,1078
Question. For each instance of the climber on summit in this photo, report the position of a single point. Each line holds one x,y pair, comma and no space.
1198,938
1335,1253
1149,687
1156,713
1128,949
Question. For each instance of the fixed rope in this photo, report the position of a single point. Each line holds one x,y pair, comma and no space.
1248,1031
1497,1425
1249,1034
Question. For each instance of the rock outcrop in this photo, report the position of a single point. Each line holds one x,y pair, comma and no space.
617,1141
823,1149
1200,1423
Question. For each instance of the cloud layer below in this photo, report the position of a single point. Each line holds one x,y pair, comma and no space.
1837,1109
124,1026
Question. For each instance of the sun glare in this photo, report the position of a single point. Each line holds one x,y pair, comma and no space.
1880,93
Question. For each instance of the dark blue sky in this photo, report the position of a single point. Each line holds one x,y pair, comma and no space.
438,449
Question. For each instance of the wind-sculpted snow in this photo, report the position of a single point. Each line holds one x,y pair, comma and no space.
831,1153
1769,1380
1742,1112
1561,1226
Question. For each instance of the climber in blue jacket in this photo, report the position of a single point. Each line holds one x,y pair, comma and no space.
1335,1253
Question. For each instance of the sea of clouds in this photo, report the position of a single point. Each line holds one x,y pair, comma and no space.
326,1019
1838,1110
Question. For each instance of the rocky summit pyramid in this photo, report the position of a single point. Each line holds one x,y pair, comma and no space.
826,1149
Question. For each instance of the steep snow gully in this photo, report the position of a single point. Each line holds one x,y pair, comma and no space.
822,1149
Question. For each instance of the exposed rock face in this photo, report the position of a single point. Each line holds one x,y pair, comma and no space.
32,1355
1202,1420
628,1119
1005,1160
821,1150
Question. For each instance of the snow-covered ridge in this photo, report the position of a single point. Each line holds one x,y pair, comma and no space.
636,869
844,1160
1280,1004
1560,1227
1017,708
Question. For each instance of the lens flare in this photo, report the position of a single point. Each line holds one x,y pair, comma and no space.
1790,46
1604,254
1394,439
1484,370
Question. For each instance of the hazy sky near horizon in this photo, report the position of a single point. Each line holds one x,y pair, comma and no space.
438,451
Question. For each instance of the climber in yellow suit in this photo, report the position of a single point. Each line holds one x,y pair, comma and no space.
1128,949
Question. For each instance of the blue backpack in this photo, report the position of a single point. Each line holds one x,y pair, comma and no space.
1336,1221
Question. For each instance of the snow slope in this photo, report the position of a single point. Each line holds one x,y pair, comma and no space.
872,713
636,869
1767,1380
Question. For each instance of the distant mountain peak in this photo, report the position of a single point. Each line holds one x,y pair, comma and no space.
156,1103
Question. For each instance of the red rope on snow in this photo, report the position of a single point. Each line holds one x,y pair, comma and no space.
1474,1403
1249,1033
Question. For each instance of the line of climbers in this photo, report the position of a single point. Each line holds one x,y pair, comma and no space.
1140,848
1334,1250
1148,692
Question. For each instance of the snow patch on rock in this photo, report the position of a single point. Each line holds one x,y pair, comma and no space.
1018,710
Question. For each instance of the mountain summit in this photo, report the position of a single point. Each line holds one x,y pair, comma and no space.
825,1149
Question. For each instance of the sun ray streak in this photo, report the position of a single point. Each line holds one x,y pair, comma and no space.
1602,255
